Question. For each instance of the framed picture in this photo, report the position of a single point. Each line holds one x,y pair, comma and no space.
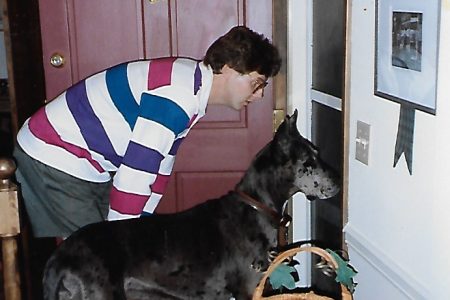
406,49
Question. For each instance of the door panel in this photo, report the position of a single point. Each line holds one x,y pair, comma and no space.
328,50
203,21
326,224
158,29
98,39
93,35
326,128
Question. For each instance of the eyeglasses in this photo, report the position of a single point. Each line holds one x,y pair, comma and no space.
258,85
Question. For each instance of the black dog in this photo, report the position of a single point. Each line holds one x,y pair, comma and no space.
207,252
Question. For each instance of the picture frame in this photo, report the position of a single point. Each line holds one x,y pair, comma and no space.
406,52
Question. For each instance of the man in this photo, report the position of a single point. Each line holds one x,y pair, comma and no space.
105,148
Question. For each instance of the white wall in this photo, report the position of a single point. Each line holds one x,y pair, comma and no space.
398,230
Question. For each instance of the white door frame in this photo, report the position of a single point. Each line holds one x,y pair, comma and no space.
299,96
299,55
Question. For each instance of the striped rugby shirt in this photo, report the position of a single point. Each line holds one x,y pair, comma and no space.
129,119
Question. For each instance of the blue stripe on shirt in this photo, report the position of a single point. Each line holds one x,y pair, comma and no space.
142,158
165,112
120,92
90,126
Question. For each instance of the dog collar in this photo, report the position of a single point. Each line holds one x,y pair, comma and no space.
281,222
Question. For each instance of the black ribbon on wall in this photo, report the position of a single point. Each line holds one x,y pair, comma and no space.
405,136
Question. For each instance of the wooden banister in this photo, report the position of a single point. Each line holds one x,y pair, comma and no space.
9,229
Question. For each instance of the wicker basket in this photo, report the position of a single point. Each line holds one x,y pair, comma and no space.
257,295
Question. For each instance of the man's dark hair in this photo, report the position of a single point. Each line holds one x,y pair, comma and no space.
244,51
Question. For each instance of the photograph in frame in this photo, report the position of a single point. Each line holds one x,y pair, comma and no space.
406,52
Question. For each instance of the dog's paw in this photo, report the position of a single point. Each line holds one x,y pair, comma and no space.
272,254
325,268
258,266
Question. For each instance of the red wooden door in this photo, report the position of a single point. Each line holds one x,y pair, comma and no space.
93,35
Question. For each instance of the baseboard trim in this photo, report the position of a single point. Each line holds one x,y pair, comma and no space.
384,265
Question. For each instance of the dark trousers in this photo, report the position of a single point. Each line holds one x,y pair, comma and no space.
57,203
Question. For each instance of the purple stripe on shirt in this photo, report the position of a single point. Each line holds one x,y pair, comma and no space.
90,126
197,79
142,158
160,72
175,146
41,128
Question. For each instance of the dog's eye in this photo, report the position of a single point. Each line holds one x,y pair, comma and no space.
310,162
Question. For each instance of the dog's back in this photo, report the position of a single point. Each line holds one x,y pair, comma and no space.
191,255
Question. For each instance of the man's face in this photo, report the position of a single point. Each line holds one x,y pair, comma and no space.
242,89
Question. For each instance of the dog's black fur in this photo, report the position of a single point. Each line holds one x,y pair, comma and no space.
202,253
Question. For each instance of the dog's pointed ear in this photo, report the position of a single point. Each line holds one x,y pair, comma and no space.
286,131
293,122
289,124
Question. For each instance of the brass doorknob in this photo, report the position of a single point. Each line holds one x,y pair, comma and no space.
57,60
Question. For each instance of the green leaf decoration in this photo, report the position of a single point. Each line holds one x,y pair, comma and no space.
281,276
345,272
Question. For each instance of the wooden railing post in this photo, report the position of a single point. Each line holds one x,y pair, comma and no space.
9,229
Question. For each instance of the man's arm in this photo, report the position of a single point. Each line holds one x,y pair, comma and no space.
147,159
